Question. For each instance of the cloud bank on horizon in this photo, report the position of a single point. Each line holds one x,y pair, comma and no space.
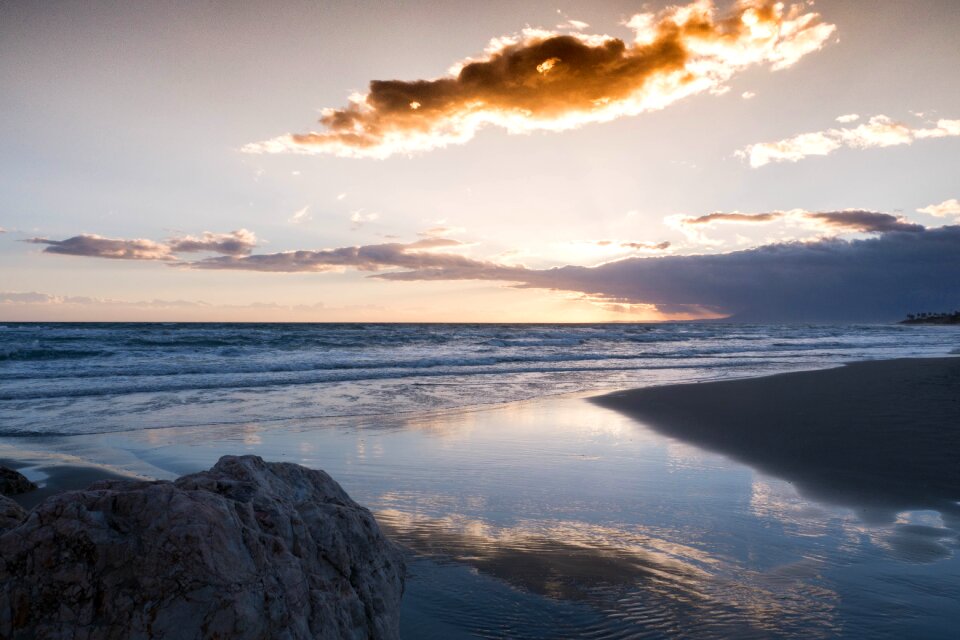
906,267
830,279
554,81
878,131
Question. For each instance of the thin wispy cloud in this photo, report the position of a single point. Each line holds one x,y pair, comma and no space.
850,220
235,243
301,215
862,221
878,131
94,246
57,306
37,298
440,230
420,254
646,246
945,209
359,218
554,81
575,25
739,218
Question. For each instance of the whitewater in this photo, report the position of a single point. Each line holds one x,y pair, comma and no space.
85,378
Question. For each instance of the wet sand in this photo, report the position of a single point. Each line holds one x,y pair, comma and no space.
876,436
55,478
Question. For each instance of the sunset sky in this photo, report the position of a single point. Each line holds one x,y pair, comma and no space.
494,161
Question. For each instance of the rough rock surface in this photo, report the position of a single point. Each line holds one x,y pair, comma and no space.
11,514
13,482
249,549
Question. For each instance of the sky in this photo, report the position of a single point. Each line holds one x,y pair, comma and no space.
479,162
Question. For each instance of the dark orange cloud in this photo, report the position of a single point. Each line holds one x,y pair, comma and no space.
547,80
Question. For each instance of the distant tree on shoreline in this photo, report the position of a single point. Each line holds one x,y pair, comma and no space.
927,317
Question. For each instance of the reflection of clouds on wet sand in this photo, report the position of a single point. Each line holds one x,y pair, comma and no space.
635,575
913,536
779,500
919,537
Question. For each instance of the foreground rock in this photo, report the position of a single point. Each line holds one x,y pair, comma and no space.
11,514
249,549
13,482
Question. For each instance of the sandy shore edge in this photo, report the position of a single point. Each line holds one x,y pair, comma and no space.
876,435
880,435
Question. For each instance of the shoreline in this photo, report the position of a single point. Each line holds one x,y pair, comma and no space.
667,409
740,408
879,436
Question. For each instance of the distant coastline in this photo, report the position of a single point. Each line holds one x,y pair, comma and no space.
932,318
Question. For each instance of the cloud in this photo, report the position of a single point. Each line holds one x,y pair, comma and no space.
904,269
36,298
94,246
850,117
863,221
855,220
712,218
35,306
28,297
440,230
301,215
646,246
830,279
413,255
946,208
575,25
359,218
547,80
878,131
747,95
235,243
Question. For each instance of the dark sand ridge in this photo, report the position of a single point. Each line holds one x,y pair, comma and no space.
880,437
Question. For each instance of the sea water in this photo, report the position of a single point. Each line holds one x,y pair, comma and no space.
86,378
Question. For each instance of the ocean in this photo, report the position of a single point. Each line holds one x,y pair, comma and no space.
70,379
526,511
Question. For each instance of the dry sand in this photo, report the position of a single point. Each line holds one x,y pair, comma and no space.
880,437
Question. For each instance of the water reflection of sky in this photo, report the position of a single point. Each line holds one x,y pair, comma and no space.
559,518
